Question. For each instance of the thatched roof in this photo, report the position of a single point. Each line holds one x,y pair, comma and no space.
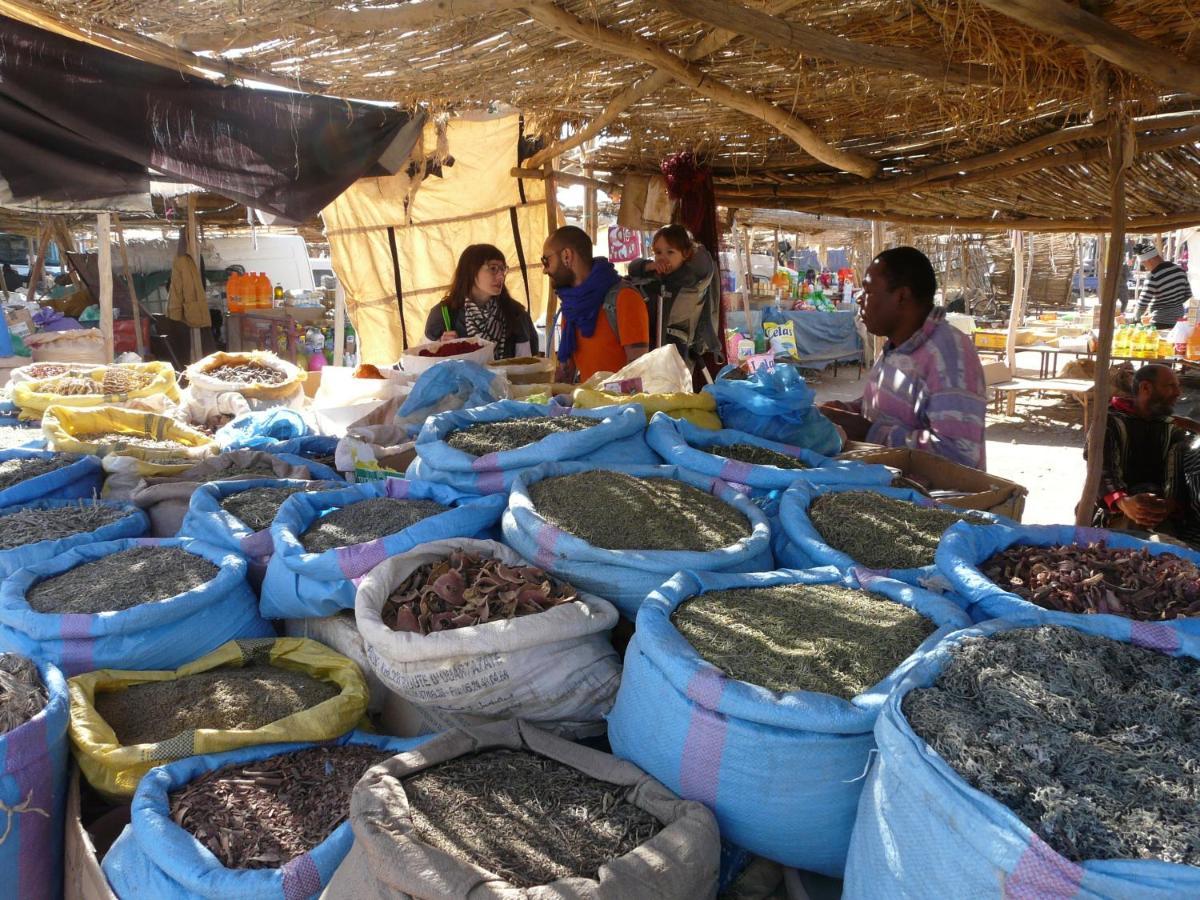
923,89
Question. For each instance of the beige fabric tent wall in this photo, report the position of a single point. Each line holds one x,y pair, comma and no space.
434,219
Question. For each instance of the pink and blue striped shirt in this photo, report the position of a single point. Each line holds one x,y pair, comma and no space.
929,394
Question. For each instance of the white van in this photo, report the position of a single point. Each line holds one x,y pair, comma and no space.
282,257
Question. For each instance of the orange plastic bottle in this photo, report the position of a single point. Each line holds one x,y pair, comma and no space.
262,291
1193,344
233,294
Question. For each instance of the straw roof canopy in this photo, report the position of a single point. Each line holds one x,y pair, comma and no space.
931,112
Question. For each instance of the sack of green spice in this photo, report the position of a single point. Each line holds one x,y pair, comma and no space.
625,577
398,851
781,770
966,549
131,522
152,635
803,545
556,668
299,583
155,857
81,477
681,443
923,830
616,435
115,769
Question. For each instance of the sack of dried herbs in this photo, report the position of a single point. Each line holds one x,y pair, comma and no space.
483,450
529,812
237,515
28,475
244,693
43,529
142,603
282,813
556,668
302,583
165,500
624,577
1049,729
783,769
107,430
113,385
33,782
893,531
339,633
749,460
1007,571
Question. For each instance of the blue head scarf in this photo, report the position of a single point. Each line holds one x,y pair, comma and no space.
581,305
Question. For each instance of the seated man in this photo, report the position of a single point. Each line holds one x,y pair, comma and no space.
1147,458
926,391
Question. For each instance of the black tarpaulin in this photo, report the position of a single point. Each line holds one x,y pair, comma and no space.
80,123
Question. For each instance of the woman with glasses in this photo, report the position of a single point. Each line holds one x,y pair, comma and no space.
478,305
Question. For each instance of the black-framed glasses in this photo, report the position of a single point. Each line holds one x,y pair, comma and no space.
497,268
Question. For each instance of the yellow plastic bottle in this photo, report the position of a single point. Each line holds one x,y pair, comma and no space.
1121,341
1193,344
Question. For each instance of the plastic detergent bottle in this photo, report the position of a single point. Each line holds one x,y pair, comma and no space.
233,296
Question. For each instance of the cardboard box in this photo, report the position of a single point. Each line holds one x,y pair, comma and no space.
83,878
20,322
950,482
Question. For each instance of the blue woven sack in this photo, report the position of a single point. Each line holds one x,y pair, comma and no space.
781,771
299,584
161,635
82,478
626,577
262,429
156,858
134,524
619,438
33,789
966,547
300,452
923,831
776,405
803,544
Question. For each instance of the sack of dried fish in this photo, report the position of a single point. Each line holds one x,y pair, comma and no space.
141,603
113,385
28,475
44,529
756,463
244,693
806,661
433,619
123,432
237,515
315,451
625,576
1006,571
166,500
266,822
893,531
33,782
483,450
352,530
1077,750
261,377
533,811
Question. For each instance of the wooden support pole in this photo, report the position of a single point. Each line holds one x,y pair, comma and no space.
39,264
1079,265
194,253
630,46
1017,308
551,226
104,253
133,297
1108,301
339,324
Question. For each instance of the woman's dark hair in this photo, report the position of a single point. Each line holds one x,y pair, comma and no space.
474,258
676,236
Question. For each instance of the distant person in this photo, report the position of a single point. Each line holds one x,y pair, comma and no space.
12,280
1142,484
926,391
605,321
479,305
1166,290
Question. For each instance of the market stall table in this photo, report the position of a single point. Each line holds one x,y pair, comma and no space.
822,338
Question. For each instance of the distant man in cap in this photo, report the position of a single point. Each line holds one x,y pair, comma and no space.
1166,290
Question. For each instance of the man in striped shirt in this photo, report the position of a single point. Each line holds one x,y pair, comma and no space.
926,391
1166,290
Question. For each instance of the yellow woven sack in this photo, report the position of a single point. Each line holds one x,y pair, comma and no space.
115,770
117,385
699,409
62,425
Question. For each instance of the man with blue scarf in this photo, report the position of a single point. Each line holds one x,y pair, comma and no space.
605,321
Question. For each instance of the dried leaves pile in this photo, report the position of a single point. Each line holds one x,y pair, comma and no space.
256,508
1091,742
259,815
248,373
493,437
122,581
365,521
754,455
14,471
1099,579
27,526
116,381
465,589
22,693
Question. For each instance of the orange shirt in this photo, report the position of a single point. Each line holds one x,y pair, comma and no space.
603,351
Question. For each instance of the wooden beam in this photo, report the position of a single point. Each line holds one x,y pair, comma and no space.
551,227
1077,26
632,47
39,264
134,302
1017,307
804,40
565,178
705,47
104,252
